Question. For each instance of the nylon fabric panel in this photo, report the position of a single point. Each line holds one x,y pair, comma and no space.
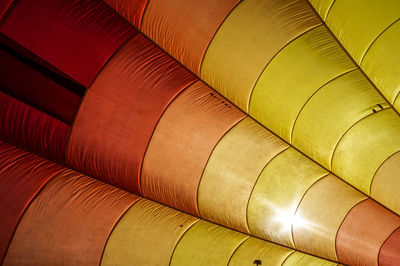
386,183
381,63
32,129
320,214
335,108
278,192
293,76
69,222
322,7
232,171
255,249
22,175
356,23
131,10
76,37
146,235
365,147
24,82
301,259
120,111
363,232
396,104
389,255
163,22
248,39
181,145
206,244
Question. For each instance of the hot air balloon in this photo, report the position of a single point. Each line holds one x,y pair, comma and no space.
150,132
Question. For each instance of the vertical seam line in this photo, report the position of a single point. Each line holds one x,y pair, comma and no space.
215,33
345,217
373,177
255,183
345,133
305,103
208,159
272,58
376,38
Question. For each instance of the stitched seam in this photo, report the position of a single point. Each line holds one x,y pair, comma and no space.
301,109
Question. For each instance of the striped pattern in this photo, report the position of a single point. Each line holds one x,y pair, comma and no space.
269,168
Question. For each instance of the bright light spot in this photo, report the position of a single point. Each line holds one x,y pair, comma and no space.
286,219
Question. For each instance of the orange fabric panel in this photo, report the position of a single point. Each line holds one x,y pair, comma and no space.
130,10
389,254
184,28
69,222
22,176
120,111
182,143
363,232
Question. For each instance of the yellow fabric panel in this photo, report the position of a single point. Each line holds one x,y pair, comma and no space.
255,249
331,112
381,63
206,244
146,235
293,76
366,146
356,23
321,213
386,183
301,259
232,171
250,36
277,194
322,6
396,103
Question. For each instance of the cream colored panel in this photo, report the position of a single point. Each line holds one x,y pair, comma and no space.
277,194
146,235
232,171
386,183
321,213
206,244
365,147
255,249
301,259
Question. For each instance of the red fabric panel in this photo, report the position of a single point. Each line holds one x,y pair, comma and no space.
120,111
75,36
37,62
27,84
22,175
389,253
69,222
4,6
132,10
31,128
